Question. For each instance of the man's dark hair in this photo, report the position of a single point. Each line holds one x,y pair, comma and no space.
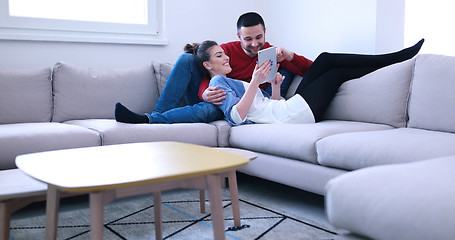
249,19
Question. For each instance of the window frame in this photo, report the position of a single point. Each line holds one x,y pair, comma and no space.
41,29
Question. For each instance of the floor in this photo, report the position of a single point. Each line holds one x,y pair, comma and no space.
288,199
283,198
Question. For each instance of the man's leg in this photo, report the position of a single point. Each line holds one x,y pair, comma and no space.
182,81
201,112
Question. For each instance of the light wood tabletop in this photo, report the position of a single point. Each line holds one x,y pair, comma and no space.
113,166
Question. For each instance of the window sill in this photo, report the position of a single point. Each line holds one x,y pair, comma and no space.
87,37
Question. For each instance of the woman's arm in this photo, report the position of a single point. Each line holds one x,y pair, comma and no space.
259,75
276,84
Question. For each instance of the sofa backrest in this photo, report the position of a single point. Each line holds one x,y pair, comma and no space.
25,95
91,93
379,97
432,99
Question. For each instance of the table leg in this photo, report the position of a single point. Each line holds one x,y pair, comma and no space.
52,208
216,207
4,221
232,178
202,200
96,215
157,211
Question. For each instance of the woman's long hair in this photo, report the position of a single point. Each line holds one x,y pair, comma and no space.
201,54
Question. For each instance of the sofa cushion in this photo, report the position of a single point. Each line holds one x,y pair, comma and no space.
114,132
357,150
378,97
401,201
22,138
162,72
223,129
432,101
297,141
86,93
25,95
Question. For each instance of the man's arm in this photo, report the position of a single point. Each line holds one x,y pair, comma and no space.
214,95
293,62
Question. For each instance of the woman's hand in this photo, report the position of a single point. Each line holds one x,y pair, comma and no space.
260,73
276,84
277,81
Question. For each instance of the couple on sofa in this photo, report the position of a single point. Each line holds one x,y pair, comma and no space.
206,76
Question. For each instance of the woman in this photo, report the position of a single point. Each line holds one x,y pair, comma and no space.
247,103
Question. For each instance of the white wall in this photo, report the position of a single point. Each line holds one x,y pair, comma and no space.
310,27
307,27
390,25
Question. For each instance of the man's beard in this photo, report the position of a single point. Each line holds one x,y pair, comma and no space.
252,53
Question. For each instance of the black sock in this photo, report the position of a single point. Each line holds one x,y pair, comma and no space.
123,114
406,53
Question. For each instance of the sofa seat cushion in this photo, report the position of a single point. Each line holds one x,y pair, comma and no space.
295,141
113,132
352,151
25,95
21,138
401,201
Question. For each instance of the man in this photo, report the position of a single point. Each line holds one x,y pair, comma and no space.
251,33
185,80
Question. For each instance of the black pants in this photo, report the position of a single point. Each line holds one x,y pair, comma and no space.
330,70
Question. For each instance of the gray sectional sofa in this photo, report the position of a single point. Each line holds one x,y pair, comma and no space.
400,114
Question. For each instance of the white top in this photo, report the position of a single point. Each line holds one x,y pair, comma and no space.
266,110
263,109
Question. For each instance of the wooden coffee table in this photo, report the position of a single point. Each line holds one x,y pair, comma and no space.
116,171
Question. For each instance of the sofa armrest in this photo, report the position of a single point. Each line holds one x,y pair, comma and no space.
401,201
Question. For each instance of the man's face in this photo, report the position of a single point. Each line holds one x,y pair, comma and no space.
252,39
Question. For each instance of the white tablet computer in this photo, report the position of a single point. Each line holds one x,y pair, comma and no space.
266,55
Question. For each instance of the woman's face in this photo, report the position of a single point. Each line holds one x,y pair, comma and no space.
218,63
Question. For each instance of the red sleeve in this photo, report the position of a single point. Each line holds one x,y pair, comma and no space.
298,65
202,86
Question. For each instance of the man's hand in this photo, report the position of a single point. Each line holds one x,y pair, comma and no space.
213,95
283,54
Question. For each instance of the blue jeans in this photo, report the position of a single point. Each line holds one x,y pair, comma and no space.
183,82
200,112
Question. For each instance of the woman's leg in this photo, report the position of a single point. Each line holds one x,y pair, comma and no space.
326,61
320,91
